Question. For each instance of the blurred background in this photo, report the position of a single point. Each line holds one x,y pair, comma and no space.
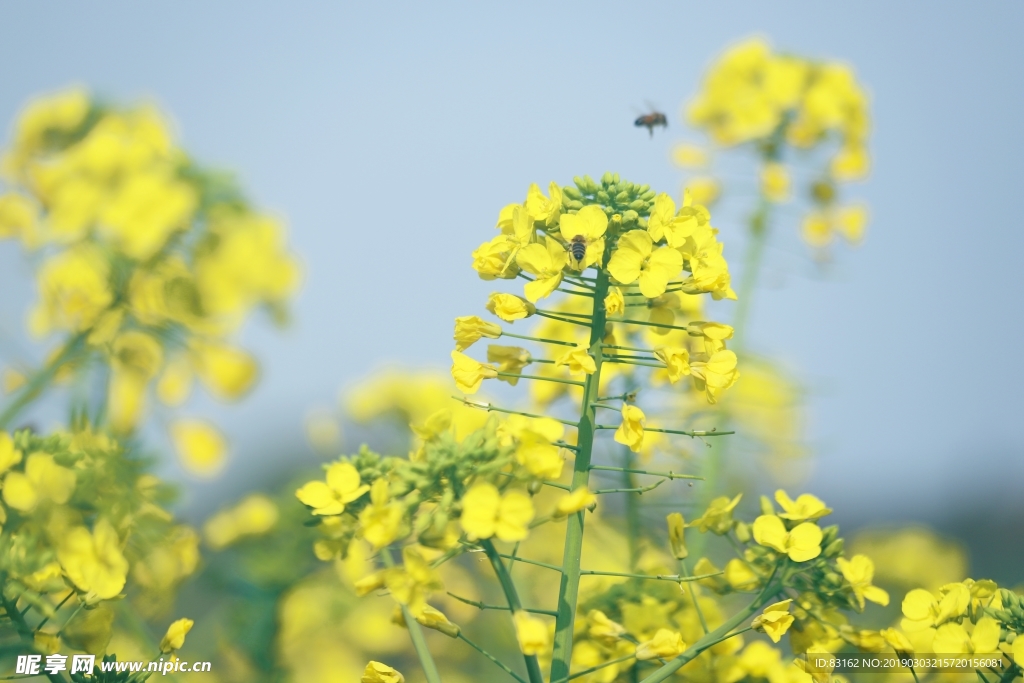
389,135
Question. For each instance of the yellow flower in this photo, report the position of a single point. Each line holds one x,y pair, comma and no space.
820,227
689,156
256,514
73,291
859,571
775,620
922,611
493,259
226,371
469,374
676,360
589,223
801,544
818,665
665,224
531,632
574,502
343,486
17,217
631,431
718,517
545,260
704,189
601,628
709,271
376,672
614,303
175,636
509,307
1018,650
469,329
806,508
434,618
665,644
93,561
714,335
413,582
577,359
740,576
43,479
677,535
486,512
543,209
775,182
897,641
952,638
636,259
510,360
200,446
539,455
716,374
380,520
9,455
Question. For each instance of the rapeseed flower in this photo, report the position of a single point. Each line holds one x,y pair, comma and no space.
509,307
635,258
93,561
486,512
631,431
859,571
343,485
801,544
775,620
469,374
470,328
174,639
665,644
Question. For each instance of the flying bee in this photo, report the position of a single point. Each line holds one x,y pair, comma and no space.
578,248
649,121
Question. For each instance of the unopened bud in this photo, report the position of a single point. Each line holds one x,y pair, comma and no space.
742,530
835,548
677,535
607,178
571,192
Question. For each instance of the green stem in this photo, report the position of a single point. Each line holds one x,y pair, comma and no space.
685,571
419,641
41,379
721,633
22,627
667,475
491,657
541,340
675,578
592,669
542,379
489,408
515,605
568,589
639,490
503,608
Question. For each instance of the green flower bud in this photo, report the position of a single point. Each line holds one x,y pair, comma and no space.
607,179
835,548
571,192
603,197
648,195
829,534
574,204
615,177
629,217
642,223
638,205
644,189
622,197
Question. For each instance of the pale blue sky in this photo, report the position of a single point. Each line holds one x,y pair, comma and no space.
389,135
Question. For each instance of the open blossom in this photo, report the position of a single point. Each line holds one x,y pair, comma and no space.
859,571
635,259
631,431
509,307
578,360
665,644
545,261
470,328
590,223
487,512
775,620
343,485
468,373
802,543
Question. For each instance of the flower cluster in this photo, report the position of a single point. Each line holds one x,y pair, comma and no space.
148,263
773,102
79,517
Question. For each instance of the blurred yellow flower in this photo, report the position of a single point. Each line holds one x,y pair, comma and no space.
677,535
200,446
665,644
93,561
486,512
718,517
676,360
531,632
574,502
380,520
381,673
775,184
254,515
577,359
952,638
859,571
510,359
43,479
174,639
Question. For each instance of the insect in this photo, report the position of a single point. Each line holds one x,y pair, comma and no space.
578,248
649,121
